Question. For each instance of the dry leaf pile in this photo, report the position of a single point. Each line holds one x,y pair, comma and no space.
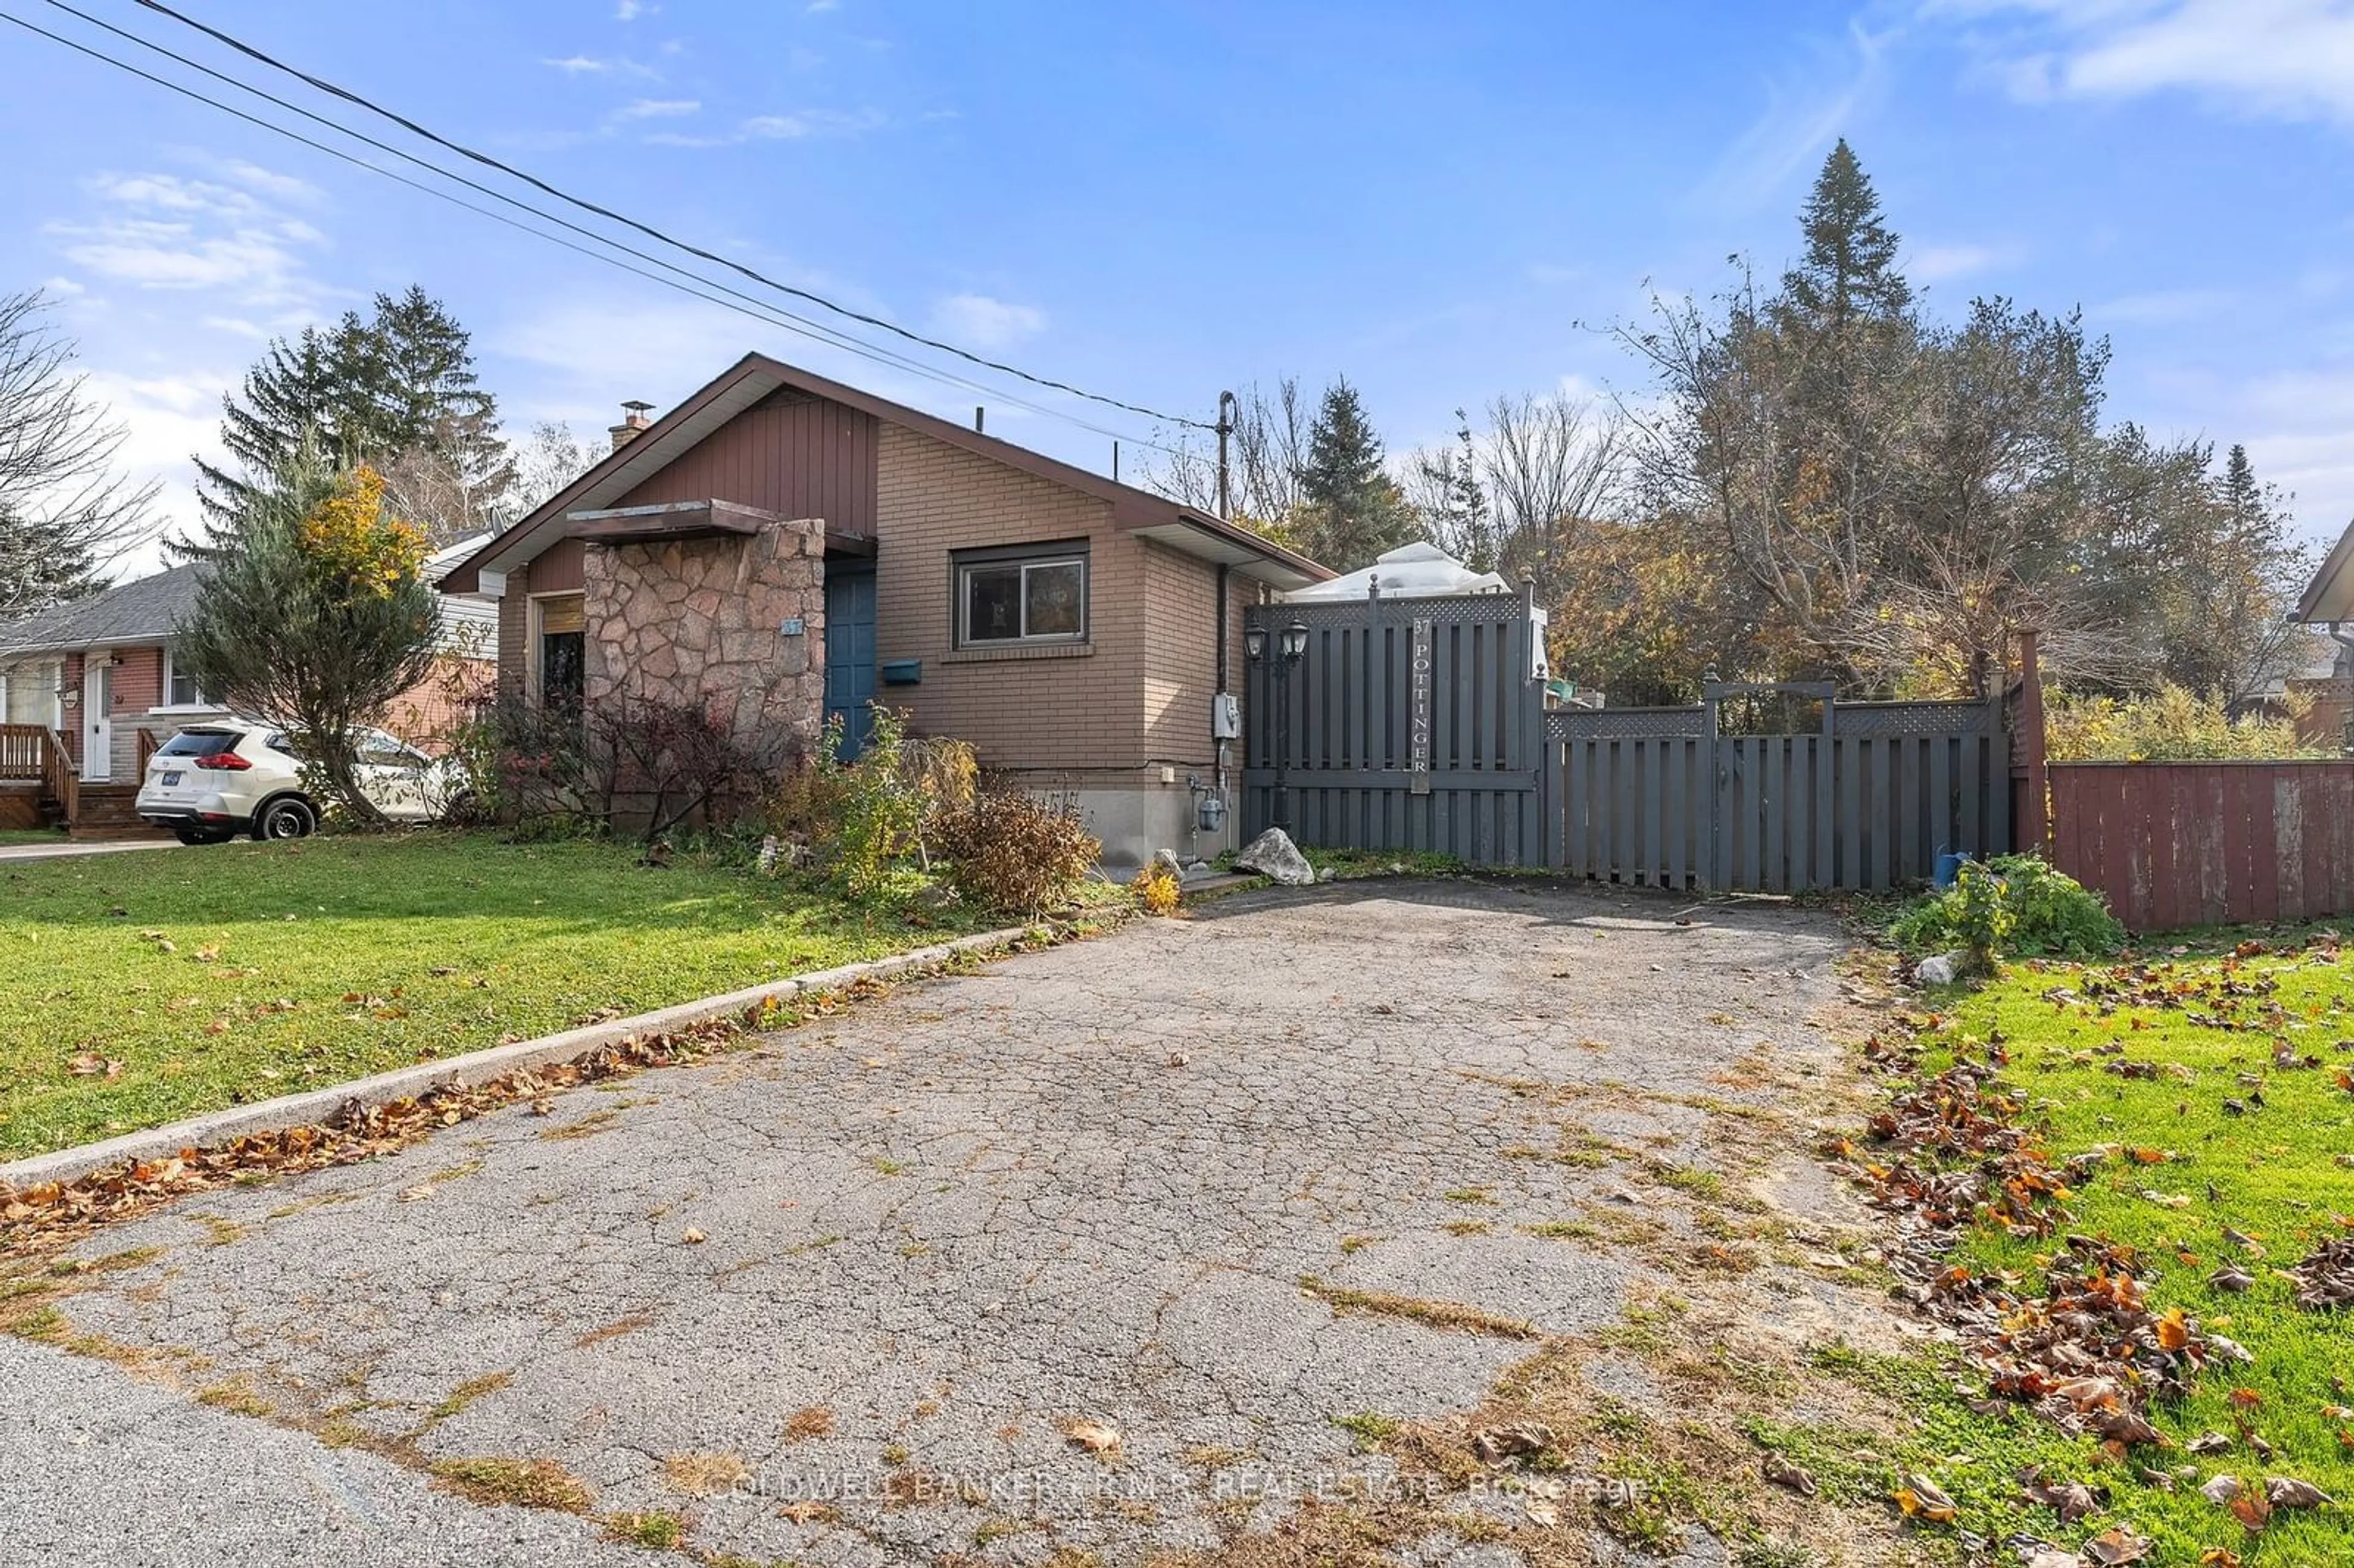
56,1210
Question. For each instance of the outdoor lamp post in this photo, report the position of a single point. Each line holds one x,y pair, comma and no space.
1255,643
1292,644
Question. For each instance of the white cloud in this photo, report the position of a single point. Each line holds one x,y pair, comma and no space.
630,10
658,109
2159,306
978,322
819,7
578,65
1942,263
166,231
800,125
1805,112
2285,58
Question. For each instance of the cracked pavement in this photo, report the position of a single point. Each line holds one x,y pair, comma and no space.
1083,1183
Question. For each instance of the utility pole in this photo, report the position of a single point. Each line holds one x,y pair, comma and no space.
1226,405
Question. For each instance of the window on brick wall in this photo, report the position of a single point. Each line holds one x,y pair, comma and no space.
1006,598
179,690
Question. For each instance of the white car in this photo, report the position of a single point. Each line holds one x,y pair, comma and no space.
209,783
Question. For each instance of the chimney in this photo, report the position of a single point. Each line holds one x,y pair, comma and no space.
634,423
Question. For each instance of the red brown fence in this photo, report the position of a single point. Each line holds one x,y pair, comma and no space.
2175,844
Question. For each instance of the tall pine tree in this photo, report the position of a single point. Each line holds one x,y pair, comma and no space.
1354,510
1849,272
396,389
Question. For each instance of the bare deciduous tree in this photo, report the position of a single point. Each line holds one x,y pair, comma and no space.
1266,459
546,460
1553,464
65,507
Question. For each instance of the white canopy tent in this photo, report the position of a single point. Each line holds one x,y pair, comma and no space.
1418,570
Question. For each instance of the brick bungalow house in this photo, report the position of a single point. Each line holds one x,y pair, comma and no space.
786,547
99,672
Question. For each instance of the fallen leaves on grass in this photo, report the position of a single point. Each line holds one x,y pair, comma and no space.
1782,1473
2325,1279
2081,1346
2117,1547
1921,1497
2072,1501
54,1209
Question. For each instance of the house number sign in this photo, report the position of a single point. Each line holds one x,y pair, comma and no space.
1418,718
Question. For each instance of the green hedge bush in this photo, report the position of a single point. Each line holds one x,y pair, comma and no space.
2012,906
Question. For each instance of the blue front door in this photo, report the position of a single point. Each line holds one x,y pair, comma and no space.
850,650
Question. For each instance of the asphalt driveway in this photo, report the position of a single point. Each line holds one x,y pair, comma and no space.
840,1298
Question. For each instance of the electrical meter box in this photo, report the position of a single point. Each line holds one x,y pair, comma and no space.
1226,717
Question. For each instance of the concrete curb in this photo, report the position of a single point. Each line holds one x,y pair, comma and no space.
314,1106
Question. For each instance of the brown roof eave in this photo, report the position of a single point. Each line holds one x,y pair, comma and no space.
1131,507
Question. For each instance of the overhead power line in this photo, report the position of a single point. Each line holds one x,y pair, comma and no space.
361,102
686,281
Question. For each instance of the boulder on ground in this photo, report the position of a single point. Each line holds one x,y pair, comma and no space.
1167,859
1273,855
1943,969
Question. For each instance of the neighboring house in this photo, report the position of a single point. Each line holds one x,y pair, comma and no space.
781,547
2328,603
99,671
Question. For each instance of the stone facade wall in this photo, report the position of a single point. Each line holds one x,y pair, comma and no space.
695,621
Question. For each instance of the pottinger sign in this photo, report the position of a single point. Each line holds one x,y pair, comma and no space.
1419,724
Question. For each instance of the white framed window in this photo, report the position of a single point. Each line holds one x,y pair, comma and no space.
179,688
1007,598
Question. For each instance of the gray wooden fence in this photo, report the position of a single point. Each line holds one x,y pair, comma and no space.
1420,724
1662,797
1403,724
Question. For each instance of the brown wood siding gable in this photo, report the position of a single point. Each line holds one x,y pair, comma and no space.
792,454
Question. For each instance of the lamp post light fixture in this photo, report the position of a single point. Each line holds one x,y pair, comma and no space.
1291,646
1255,643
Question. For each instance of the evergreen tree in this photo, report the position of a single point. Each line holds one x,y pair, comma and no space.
1354,510
1849,273
1454,504
311,611
43,562
396,389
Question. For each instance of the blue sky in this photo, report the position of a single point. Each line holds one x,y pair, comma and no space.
1156,201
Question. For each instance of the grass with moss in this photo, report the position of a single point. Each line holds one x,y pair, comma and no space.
2185,1057
138,988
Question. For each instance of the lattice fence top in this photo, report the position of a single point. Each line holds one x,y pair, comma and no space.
1498,608
1859,720
1624,723
1908,718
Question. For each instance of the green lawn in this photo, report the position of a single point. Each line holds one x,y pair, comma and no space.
2174,1063
31,836
135,989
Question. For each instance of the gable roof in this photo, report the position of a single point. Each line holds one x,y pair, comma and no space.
2330,595
141,611
756,375
147,610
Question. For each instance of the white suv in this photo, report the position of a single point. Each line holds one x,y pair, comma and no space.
212,782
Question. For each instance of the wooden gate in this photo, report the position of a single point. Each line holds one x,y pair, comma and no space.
1396,724
1668,797
1420,724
